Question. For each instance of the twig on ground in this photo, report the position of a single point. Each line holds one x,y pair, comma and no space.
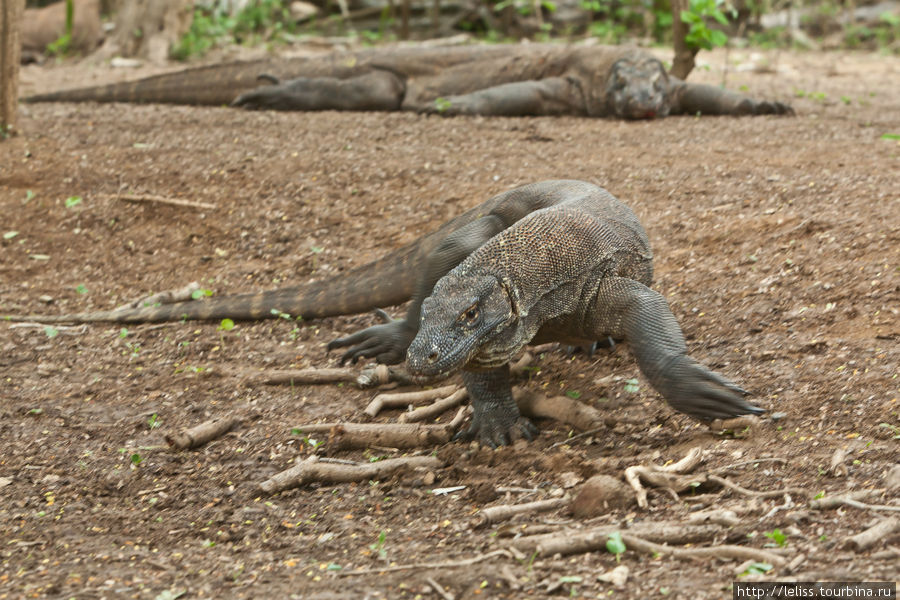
575,437
365,378
668,477
745,492
182,294
723,552
441,406
520,367
162,200
439,589
66,329
843,499
392,435
201,434
719,516
495,514
863,506
311,470
873,534
440,565
404,399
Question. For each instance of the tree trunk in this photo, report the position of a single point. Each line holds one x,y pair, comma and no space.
683,61
148,28
10,46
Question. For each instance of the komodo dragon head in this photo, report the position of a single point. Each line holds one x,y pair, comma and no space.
467,320
638,88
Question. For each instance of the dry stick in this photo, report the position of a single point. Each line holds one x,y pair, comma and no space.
403,399
495,514
439,589
863,506
835,501
441,565
311,470
664,476
392,435
744,491
873,534
560,408
364,379
201,434
726,551
182,294
162,200
441,406
578,542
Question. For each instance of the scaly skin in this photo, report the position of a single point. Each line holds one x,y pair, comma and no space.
502,80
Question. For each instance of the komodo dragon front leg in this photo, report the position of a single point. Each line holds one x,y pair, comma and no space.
626,309
377,90
547,97
699,98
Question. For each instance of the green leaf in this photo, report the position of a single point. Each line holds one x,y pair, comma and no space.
573,394
757,568
197,294
136,459
28,196
123,333
10,235
226,325
73,201
778,537
81,289
614,543
891,136
51,331
631,386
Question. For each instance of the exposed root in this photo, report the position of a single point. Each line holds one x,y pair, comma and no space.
578,542
201,434
745,492
722,552
873,534
426,413
311,470
495,514
391,435
404,399
852,499
669,477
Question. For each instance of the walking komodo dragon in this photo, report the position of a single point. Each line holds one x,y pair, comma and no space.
511,80
552,261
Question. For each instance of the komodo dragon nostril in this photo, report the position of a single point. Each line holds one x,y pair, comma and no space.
433,356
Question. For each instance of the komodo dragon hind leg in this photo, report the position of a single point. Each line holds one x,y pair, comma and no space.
496,420
377,90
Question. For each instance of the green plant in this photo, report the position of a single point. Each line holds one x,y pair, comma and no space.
378,546
699,34
757,568
153,421
778,537
73,201
615,545
631,386
60,47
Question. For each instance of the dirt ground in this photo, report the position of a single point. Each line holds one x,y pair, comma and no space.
776,243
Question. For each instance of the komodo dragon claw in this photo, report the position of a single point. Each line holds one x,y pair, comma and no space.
386,343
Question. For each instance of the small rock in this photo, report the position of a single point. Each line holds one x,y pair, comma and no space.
45,299
892,479
429,478
599,495
618,576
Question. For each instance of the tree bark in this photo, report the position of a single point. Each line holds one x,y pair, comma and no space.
10,47
683,61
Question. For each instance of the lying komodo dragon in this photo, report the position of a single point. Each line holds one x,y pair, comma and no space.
552,261
530,79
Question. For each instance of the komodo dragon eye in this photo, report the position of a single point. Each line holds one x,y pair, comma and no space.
470,315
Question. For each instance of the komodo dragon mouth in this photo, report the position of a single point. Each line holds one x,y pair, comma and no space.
638,88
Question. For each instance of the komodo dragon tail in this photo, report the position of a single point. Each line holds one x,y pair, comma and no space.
214,85
384,282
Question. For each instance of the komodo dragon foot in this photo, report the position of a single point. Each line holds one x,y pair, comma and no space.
386,343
